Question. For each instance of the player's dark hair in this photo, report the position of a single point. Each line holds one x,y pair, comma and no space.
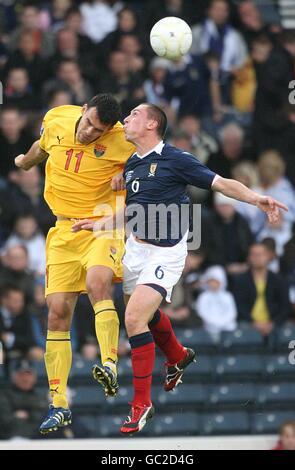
158,115
107,108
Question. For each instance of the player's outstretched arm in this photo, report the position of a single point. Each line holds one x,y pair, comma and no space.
33,157
237,190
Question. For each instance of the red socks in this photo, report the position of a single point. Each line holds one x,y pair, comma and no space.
165,338
143,360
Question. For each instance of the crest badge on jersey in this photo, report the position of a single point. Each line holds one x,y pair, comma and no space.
153,168
128,175
99,150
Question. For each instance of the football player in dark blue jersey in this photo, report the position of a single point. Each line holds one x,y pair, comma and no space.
158,173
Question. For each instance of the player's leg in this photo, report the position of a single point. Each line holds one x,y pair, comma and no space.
139,311
99,288
58,357
178,357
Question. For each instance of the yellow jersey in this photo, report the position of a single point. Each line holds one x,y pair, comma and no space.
78,176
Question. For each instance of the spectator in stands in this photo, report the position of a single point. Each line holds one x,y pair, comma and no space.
6,214
217,35
29,22
274,183
130,45
17,90
203,145
216,307
59,97
126,87
182,316
25,56
14,139
154,85
231,152
251,21
26,233
247,173
288,269
274,260
189,286
274,72
69,73
261,295
98,19
39,313
21,404
58,12
68,48
14,270
189,10
16,330
73,22
181,139
127,24
229,236
27,196
188,86
286,436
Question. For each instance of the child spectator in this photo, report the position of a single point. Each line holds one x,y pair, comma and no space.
216,307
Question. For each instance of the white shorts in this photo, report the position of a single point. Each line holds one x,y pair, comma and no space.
149,264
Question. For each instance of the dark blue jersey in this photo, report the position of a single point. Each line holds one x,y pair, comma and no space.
161,179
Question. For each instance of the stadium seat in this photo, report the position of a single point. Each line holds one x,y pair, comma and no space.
284,335
232,394
269,422
186,393
279,366
124,396
225,423
203,368
244,339
196,338
88,396
175,424
81,368
90,423
248,366
276,393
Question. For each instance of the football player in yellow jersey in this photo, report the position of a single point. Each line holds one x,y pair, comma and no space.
85,149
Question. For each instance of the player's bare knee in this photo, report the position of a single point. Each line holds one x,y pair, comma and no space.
99,289
59,316
133,323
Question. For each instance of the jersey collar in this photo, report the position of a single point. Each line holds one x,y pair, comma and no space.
157,149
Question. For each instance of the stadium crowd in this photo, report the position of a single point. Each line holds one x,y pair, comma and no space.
228,103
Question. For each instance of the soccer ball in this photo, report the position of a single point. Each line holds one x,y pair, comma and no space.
171,38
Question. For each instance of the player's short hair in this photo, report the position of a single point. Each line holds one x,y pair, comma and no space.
107,108
156,113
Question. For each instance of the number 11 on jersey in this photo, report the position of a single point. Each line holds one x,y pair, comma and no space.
78,156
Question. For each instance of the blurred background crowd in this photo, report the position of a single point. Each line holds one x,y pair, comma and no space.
229,102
